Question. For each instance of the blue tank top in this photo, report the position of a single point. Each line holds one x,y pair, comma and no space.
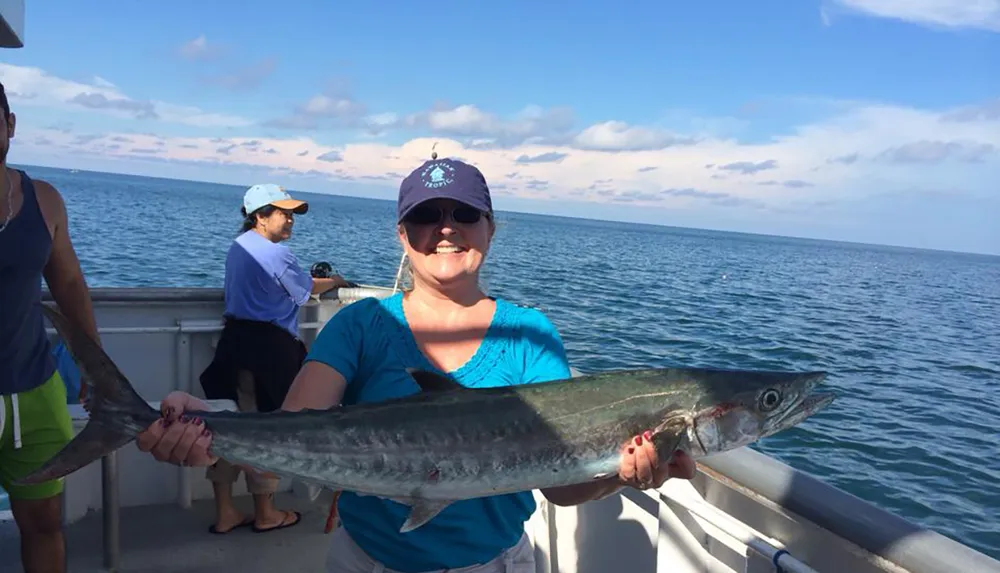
24,252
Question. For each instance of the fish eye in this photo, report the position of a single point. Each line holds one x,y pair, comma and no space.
770,399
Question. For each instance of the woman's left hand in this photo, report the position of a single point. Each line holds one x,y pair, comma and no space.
641,469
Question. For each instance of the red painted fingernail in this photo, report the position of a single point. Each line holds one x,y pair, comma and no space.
206,432
638,440
631,450
166,423
648,436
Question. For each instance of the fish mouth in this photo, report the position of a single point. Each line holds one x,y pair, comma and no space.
808,407
817,401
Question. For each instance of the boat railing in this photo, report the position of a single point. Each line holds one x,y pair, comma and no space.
110,504
744,511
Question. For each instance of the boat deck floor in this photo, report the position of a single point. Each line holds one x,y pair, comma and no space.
169,539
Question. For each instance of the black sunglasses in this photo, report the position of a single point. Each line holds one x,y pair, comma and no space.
428,215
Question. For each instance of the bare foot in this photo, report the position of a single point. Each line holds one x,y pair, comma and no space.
229,521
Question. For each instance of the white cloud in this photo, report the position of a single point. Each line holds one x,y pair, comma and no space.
342,111
198,49
619,136
31,86
531,123
862,151
483,129
99,81
982,14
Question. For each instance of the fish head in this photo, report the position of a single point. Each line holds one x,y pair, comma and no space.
746,408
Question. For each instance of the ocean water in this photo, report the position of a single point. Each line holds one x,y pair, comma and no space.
911,338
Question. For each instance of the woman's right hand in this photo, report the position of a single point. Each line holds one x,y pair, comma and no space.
178,438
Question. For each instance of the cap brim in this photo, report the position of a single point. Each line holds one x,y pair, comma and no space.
293,205
443,195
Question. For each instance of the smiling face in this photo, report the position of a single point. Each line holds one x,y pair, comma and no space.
446,242
276,226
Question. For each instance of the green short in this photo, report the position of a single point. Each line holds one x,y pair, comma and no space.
45,427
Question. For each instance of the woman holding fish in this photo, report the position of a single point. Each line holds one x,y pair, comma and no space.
446,324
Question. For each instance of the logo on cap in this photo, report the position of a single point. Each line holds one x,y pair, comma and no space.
437,175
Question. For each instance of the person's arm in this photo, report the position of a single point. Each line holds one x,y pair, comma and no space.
570,495
316,387
332,362
298,283
180,439
62,272
321,285
320,384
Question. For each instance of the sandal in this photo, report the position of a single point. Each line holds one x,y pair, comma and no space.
247,521
283,525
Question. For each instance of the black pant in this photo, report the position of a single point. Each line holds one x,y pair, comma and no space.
270,353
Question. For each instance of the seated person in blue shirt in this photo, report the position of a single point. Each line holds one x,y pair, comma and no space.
259,352
445,225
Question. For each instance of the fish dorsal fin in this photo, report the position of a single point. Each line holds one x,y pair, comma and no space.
433,382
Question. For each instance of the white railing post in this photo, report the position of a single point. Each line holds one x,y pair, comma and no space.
183,383
676,544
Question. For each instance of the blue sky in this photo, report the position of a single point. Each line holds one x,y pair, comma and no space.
865,120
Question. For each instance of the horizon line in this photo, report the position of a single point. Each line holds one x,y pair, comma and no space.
561,216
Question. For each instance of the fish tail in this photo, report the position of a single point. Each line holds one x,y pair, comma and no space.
117,412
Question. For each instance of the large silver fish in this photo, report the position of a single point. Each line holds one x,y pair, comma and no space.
448,442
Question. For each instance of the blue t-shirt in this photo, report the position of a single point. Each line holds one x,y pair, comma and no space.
264,282
370,344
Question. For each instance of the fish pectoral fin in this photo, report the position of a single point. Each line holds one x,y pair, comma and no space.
422,511
433,382
668,435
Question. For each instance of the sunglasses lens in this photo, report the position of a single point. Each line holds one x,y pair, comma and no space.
466,215
424,215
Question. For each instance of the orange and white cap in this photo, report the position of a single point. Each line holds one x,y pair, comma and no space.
270,194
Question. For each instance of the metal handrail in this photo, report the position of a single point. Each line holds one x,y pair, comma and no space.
179,329
771,549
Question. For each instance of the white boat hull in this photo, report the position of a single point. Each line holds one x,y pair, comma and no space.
741,509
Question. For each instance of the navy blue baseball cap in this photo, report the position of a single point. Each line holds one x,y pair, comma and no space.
444,179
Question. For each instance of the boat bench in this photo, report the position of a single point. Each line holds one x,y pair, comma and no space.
109,481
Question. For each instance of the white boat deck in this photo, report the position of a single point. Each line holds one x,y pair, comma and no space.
741,510
168,539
